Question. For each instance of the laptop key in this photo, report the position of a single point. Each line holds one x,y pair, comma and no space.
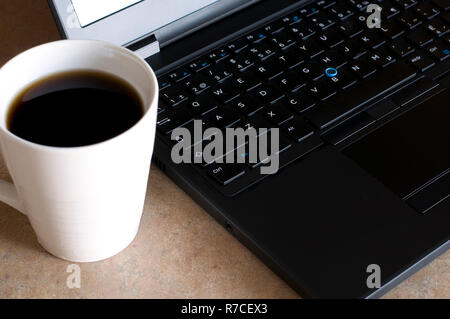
269,70
253,123
401,47
405,4
332,59
274,27
312,71
389,10
350,28
309,10
247,104
426,11
342,80
302,30
168,121
329,38
164,82
267,94
381,57
290,58
225,173
198,65
226,92
322,90
362,68
284,143
341,11
300,102
246,80
297,129
237,45
360,4
162,107
421,61
409,19
260,51
371,39
174,95
265,139
223,117
190,126
290,81
256,36
322,20
197,84
438,50
420,38
352,49
203,104
240,62
257,122
178,74
218,73
437,27
218,55
282,40
292,18
362,93
391,29
277,114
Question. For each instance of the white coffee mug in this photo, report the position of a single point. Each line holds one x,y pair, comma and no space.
84,203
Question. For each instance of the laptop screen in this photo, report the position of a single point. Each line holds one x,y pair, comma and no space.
126,21
89,11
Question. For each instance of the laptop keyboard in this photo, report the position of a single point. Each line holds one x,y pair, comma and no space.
303,73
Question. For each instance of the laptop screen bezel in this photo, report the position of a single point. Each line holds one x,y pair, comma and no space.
122,28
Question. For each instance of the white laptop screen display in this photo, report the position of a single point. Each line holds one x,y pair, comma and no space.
126,21
90,11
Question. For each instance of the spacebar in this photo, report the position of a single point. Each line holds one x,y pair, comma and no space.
358,95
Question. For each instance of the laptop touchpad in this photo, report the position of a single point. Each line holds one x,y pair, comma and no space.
407,152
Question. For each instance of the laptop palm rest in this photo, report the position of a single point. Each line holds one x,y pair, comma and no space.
326,218
409,151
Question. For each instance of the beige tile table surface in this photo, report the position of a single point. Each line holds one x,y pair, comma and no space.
180,251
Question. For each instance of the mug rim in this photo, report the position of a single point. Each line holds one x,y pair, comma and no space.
130,54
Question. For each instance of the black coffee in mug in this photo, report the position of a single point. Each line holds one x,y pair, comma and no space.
76,108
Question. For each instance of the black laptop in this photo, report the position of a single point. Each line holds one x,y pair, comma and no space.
359,93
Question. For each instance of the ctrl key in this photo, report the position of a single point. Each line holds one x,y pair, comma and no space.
225,173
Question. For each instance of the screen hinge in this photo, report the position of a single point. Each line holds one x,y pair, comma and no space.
145,47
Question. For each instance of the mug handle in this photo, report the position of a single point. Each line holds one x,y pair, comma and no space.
9,195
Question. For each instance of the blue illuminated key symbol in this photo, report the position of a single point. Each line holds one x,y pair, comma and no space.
331,72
